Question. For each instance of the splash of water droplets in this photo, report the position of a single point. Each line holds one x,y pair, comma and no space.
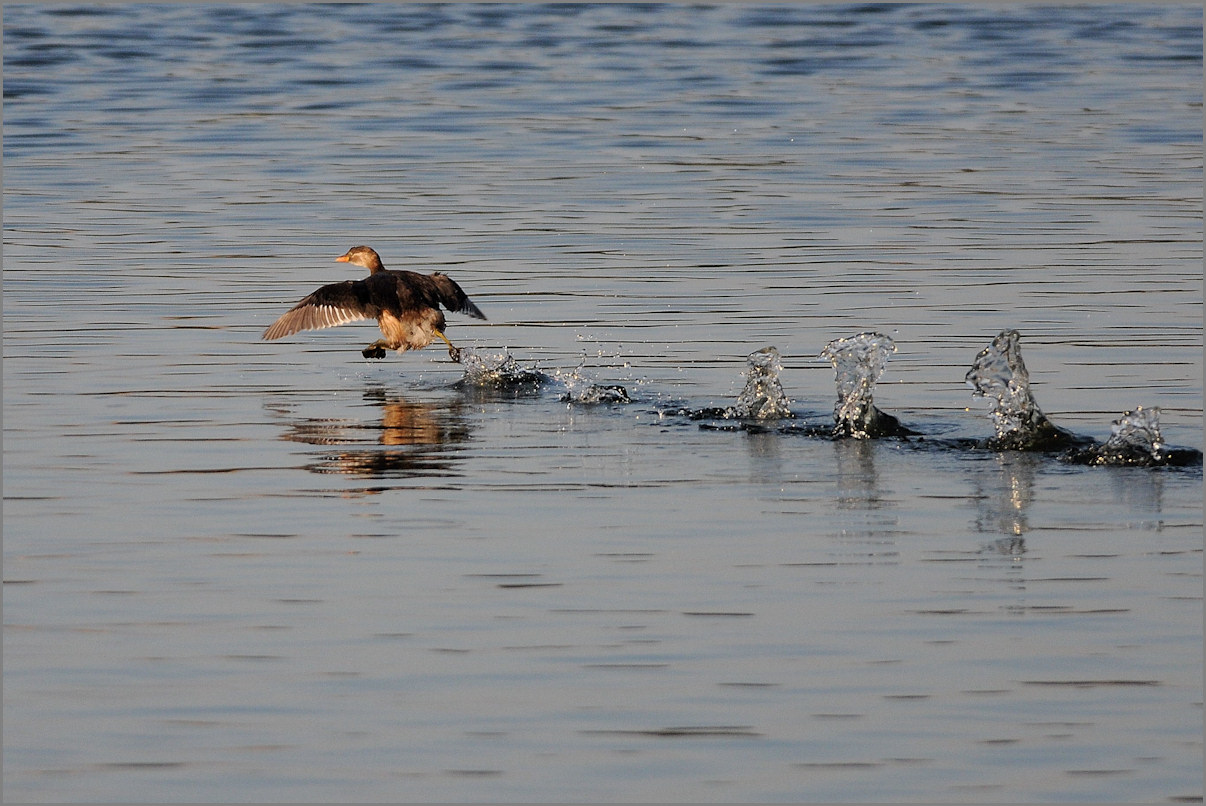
497,370
763,397
1138,429
857,361
582,390
501,372
1135,441
1000,375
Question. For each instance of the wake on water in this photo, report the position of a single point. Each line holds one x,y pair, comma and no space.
997,374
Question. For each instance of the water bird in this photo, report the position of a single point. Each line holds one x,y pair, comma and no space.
405,304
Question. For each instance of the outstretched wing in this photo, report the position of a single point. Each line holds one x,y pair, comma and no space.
453,298
331,305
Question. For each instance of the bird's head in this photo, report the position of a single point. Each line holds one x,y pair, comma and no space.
364,257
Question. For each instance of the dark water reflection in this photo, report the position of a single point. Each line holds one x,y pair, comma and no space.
1003,492
859,486
239,571
415,439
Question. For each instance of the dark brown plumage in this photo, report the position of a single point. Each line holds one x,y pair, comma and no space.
405,304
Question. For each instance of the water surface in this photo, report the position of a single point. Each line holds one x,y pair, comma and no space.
248,571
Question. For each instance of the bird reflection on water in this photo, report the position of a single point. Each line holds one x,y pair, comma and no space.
411,440
424,439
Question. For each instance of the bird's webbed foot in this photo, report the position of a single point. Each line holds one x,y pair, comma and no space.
453,352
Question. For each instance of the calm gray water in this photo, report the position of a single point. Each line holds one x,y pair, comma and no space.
248,571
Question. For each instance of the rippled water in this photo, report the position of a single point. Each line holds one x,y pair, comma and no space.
249,571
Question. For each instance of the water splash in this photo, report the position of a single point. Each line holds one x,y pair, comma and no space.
583,391
1137,430
763,397
858,361
999,374
595,394
1135,441
498,371
761,401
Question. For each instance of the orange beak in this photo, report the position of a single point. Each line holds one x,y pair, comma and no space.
341,259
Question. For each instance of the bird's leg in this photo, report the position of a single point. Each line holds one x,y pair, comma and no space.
375,350
453,352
